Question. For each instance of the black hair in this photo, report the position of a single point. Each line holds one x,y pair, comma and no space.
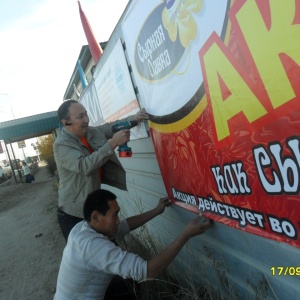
63,110
97,200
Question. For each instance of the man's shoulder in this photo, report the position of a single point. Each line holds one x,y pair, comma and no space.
82,229
65,137
82,235
76,229
60,137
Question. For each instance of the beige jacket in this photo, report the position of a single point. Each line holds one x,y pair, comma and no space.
78,169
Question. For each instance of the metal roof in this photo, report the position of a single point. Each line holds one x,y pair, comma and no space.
29,127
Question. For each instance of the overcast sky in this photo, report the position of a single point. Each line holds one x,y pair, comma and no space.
40,42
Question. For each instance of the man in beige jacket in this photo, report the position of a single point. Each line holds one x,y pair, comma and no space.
85,158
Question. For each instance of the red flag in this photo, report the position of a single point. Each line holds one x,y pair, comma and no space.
93,44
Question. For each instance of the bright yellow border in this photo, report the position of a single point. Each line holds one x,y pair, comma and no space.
184,122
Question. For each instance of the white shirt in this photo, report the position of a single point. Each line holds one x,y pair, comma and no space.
26,170
89,262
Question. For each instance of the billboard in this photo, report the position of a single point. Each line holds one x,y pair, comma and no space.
110,96
220,80
114,87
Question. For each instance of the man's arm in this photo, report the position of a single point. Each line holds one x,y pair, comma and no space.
140,116
159,262
74,159
106,128
139,220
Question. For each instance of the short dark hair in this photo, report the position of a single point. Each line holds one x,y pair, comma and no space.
97,200
63,110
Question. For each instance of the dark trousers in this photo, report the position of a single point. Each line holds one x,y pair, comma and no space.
66,222
121,289
28,178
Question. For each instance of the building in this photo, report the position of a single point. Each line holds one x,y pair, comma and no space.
74,88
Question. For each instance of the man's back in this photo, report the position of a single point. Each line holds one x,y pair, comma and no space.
89,262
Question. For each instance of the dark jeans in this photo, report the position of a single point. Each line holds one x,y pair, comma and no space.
121,289
66,222
29,178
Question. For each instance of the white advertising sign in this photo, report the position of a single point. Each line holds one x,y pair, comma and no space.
91,102
111,95
162,41
114,87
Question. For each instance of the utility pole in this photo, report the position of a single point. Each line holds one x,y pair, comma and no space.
24,155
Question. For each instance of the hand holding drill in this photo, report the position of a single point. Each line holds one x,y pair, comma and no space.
122,133
122,136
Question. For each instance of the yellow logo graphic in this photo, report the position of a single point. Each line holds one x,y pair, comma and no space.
178,20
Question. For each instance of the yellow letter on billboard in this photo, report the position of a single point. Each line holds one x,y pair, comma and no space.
241,97
265,44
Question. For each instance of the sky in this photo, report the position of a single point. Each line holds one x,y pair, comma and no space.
40,42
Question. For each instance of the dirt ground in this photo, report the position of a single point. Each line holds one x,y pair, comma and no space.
31,243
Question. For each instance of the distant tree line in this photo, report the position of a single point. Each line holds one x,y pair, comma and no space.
45,147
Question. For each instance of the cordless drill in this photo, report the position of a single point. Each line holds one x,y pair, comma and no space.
124,150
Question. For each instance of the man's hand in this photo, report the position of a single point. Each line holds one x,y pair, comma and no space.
139,220
163,202
160,261
119,138
141,116
195,227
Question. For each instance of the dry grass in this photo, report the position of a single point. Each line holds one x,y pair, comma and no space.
170,285
205,274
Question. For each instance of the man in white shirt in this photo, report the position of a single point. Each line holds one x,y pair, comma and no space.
27,173
91,258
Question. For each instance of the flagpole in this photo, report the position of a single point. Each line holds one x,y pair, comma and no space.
95,48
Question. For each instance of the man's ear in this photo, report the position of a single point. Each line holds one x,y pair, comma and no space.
95,216
66,122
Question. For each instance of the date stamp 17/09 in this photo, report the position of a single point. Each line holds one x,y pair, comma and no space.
285,271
